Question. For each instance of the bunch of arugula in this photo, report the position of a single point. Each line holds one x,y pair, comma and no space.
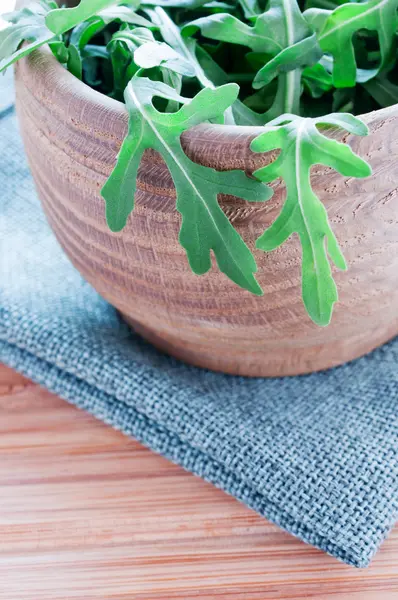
290,67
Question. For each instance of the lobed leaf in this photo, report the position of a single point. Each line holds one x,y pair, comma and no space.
303,145
61,20
241,114
336,29
282,34
156,54
204,227
317,80
26,25
250,8
172,35
382,90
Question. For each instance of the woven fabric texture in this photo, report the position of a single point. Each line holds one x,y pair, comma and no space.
317,455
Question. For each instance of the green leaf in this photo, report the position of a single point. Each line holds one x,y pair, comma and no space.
212,71
75,63
27,25
85,31
121,59
329,4
186,4
95,51
382,90
156,54
218,5
250,8
59,50
121,49
336,30
82,34
185,47
227,28
282,33
302,146
173,80
124,14
241,114
299,48
133,38
204,227
61,20
317,80
87,20
343,100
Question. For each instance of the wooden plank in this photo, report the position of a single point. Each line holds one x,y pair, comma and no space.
88,514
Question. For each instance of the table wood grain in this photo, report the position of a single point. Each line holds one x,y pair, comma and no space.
88,514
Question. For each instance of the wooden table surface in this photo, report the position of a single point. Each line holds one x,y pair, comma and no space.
88,514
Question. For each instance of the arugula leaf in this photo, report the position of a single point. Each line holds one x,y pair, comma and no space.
317,80
187,4
172,36
335,36
343,100
133,38
283,34
185,47
121,48
59,50
227,28
156,54
75,63
61,20
86,20
382,90
27,25
173,80
302,146
241,114
85,31
204,227
124,14
299,48
250,8
329,4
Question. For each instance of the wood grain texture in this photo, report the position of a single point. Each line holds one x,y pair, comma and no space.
72,135
88,514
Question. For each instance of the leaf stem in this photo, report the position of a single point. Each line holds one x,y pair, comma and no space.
289,92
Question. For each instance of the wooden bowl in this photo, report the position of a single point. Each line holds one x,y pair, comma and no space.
72,135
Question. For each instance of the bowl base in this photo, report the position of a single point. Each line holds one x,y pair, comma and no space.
286,360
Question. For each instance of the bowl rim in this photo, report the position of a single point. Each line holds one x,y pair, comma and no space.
45,69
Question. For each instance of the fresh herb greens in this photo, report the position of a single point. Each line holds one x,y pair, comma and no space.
204,225
287,67
302,146
27,25
384,91
280,37
335,31
62,20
